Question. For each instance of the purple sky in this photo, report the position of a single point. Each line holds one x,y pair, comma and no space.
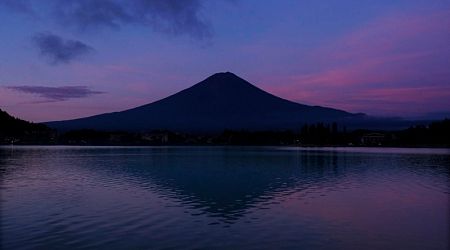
74,58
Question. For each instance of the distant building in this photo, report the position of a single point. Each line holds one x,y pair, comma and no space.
156,137
373,139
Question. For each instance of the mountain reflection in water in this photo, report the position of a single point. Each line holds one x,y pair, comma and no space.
203,197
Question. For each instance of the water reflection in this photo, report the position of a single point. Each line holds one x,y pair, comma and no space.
87,197
222,183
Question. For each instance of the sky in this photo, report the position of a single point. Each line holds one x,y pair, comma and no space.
64,59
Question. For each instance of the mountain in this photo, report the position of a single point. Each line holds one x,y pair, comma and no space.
14,130
222,101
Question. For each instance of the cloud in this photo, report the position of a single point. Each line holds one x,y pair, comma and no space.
174,17
404,47
57,94
389,100
394,64
58,50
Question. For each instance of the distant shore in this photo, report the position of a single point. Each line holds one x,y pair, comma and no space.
230,145
436,134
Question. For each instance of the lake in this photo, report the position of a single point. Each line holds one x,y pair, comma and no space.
224,198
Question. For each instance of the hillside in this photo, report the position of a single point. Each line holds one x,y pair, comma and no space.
222,101
14,130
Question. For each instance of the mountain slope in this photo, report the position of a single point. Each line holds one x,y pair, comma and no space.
14,130
222,101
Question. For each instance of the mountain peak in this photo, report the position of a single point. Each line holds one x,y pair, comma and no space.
224,80
224,75
221,101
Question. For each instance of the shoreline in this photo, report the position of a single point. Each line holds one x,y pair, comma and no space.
232,146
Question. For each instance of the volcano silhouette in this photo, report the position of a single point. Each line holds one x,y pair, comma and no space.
221,101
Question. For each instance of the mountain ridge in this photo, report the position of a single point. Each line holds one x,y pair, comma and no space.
221,101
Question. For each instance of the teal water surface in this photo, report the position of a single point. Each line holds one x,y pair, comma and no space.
224,198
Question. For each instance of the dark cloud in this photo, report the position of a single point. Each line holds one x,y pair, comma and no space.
56,94
58,50
175,17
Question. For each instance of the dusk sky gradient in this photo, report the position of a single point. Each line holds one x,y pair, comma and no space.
69,59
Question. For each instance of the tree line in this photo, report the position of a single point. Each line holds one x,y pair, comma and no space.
435,134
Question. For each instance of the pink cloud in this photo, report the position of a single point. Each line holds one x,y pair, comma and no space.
410,100
395,64
393,101
380,69
394,33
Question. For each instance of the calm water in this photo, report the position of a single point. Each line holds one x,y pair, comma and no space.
224,198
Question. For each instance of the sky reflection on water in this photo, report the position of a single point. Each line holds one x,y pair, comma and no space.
223,197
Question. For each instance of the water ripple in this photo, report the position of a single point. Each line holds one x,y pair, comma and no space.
221,198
